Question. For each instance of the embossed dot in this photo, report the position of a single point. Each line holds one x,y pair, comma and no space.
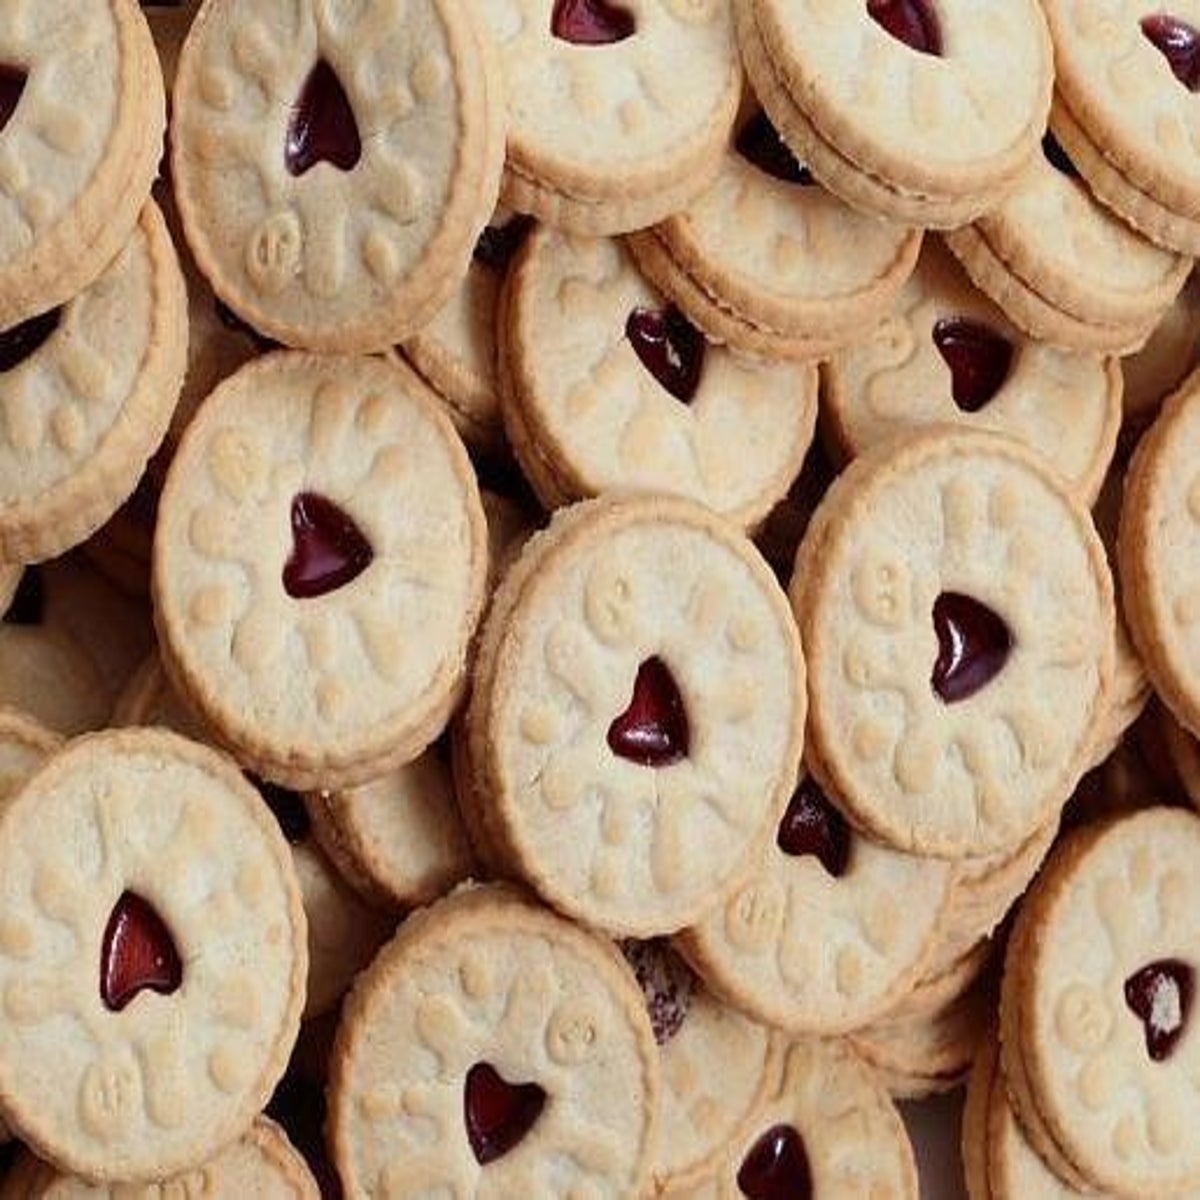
870,739
273,252
69,428
574,1031
849,971
1082,1019
610,604
230,1069
211,606
754,916
381,255
540,724
430,75
476,976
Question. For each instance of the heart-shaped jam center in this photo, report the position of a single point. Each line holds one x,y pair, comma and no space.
653,730
670,347
322,128
137,953
1057,157
776,1167
1179,43
979,359
812,826
12,85
498,244
667,983
286,806
761,146
498,1114
28,606
328,548
912,22
591,22
1160,994
24,340
973,646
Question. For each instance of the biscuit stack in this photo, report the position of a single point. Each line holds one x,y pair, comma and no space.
596,591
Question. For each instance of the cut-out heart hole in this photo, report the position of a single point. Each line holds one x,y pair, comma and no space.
761,146
24,340
591,22
28,606
653,730
973,646
1160,994
286,806
670,347
812,826
322,128
1179,44
1057,157
328,548
12,86
667,982
776,1167
137,953
498,244
498,1114
912,22
979,359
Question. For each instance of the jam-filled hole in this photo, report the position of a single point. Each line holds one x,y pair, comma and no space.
670,347
1160,995
812,826
776,1167
979,359
974,644
322,127
328,548
591,22
761,146
12,87
25,340
667,982
653,730
1179,43
137,954
913,22
498,1114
